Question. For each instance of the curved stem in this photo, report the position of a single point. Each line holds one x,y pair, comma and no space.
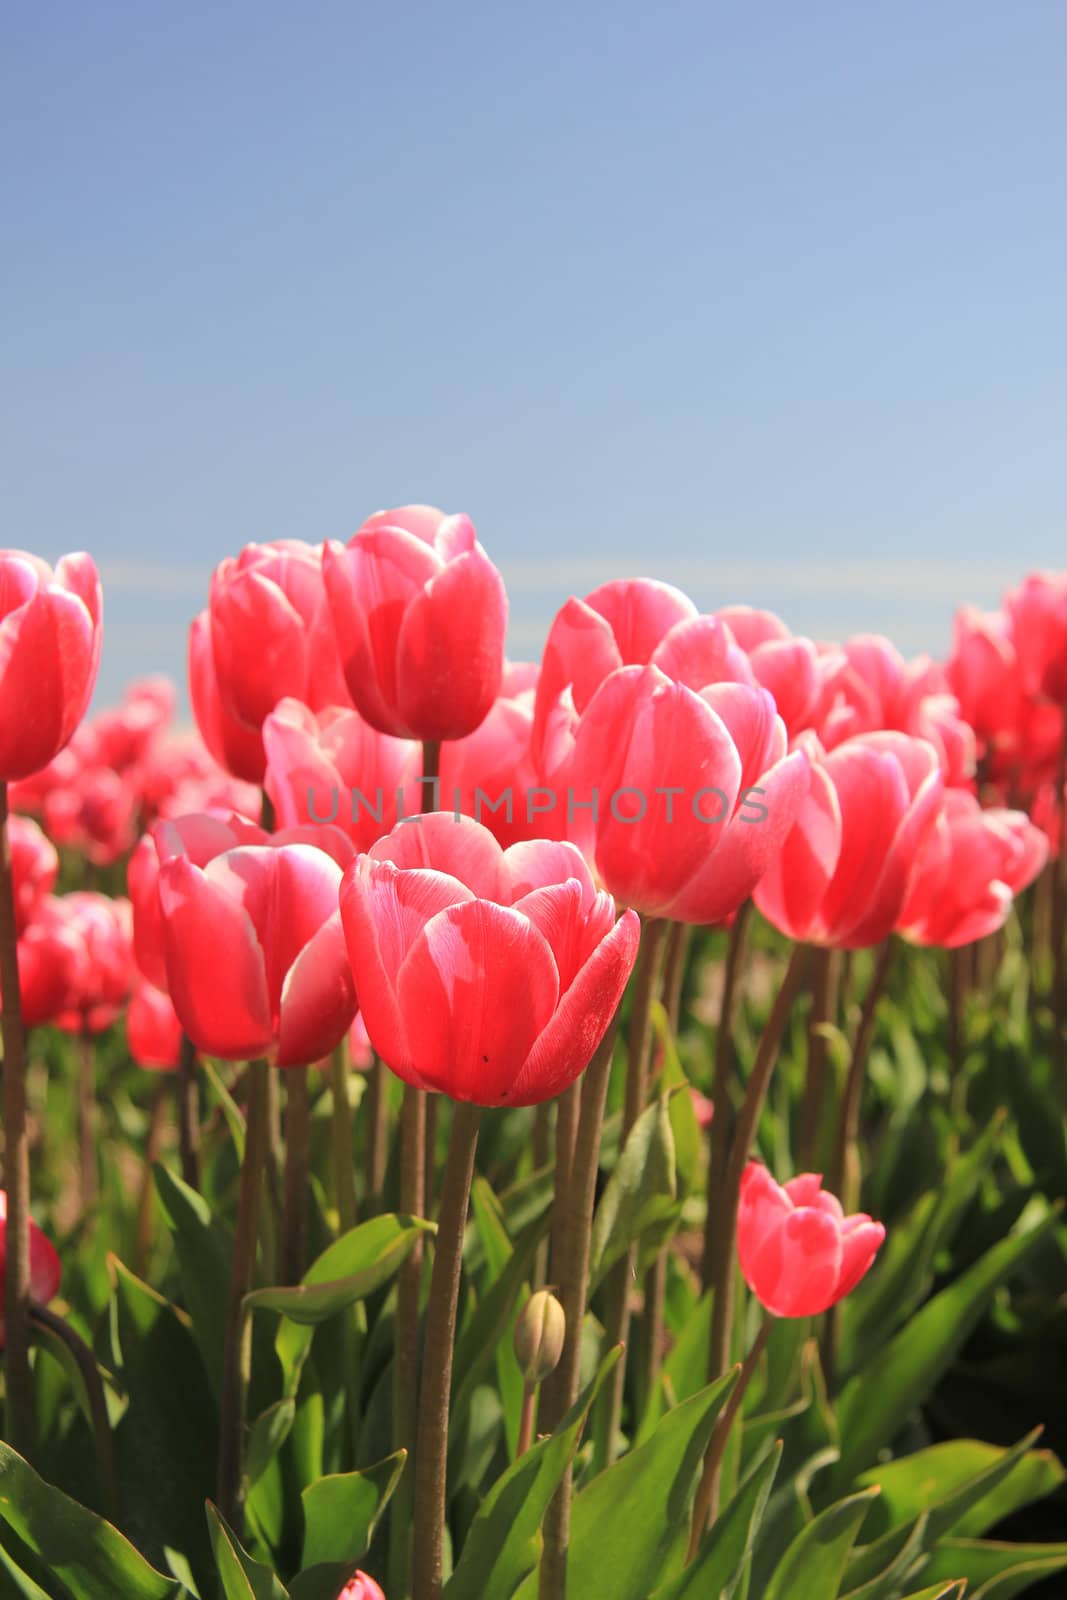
297,1140
188,1091
719,1132
707,1493
237,1354
740,1148
432,1454
608,1416
94,1388
19,1395
560,1391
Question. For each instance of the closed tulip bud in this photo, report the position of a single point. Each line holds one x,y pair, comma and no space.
539,1335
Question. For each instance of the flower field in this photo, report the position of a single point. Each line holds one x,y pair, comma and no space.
478,1129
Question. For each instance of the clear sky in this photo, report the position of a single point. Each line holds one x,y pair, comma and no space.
767,299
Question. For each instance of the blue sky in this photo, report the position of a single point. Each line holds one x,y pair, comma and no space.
765,299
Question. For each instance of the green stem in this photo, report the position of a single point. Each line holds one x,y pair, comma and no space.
845,1170
377,1134
344,1156
188,1092
719,1132
146,1201
406,1343
18,1390
568,1106
526,1419
94,1388
823,1010
237,1354
90,1185
704,1508
674,964
560,1391
432,1455
297,1141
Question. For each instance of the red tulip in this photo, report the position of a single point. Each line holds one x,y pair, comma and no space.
799,1253
966,875
693,793
121,737
34,866
48,957
255,954
361,1588
45,1269
843,873
788,667
984,674
178,776
336,768
96,815
419,612
490,775
234,746
153,1032
49,655
1038,613
102,972
484,974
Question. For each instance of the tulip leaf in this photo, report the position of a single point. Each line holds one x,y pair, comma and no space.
93,1560
227,1104
241,1577
269,1432
684,1370
477,1343
205,1255
719,1563
903,1372
341,1511
939,1591
630,1524
504,1542
995,1571
674,1081
354,1266
876,1571
641,1192
24,1587
814,1563
490,1230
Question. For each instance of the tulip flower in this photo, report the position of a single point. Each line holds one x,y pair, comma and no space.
361,1588
683,799
270,632
121,737
1038,613
101,972
419,613
841,877
45,1269
799,1253
966,875
34,866
234,746
96,815
255,956
484,974
984,674
335,768
50,633
48,955
153,1032
490,775
787,666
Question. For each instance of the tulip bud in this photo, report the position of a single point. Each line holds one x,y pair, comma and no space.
539,1336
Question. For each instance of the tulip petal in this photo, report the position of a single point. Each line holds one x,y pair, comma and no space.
216,974
450,649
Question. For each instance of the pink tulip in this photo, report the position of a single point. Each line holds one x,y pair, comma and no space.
966,875
693,793
101,973
50,632
234,746
843,873
334,767
34,866
121,737
1038,613
419,613
96,815
484,974
48,956
45,1269
799,1253
153,1032
480,772
271,635
984,673
255,954
786,666
361,1588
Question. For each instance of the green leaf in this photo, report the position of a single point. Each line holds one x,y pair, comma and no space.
938,1591
673,1080
875,1402
640,1193
814,1564
684,1370
504,1542
228,1106
995,1571
877,1570
630,1525
496,1244
717,1567
477,1343
205,1256
91,1558
242,1578
269,1432
354,1266
341,1512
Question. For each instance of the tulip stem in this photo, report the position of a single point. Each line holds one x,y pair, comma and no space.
146,1202
432,1453
406,1343
297,1136
608,1417
722,1121
560,1390
188,1091
568,1106
674,964
344,1158
707,1492
740,1149
377,1133
86,1118
1059,917
237,1355
845,1171
542,1143
19,1394
824,989
86,1362
526,1419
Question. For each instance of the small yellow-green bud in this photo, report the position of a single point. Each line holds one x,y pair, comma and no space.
539,1336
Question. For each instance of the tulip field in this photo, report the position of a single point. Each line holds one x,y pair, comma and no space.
585,1129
